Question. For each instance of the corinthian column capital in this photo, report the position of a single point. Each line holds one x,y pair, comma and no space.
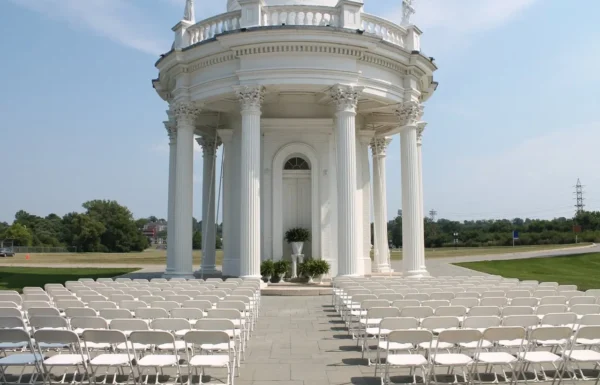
345,97
250,97
185,112
409,113
209,144
420,128
379,145
171,128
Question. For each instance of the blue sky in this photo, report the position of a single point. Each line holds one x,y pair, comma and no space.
511,127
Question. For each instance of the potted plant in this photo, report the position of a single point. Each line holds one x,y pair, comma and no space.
267,269
280,268
296,237
319,268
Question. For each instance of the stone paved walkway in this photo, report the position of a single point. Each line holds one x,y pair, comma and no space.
302,341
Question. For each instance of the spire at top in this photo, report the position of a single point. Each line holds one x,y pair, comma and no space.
188,13
407,11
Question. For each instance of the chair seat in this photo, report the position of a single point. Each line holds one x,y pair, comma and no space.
12,345
44,345
372,331
231,333
21,359
110,360
179,345
97,345
154,360
474,344
539,356
452,359
584,355
433,344
372,321
552,342
65,359
215,360
181,333
358,313
394,346
215,347
496,358
130,346
587,341
406,359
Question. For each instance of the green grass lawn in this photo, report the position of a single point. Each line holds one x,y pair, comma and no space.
578,269
15,278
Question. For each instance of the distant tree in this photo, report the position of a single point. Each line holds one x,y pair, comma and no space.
197,240
140,223
152,218
20,234
218,243
85,231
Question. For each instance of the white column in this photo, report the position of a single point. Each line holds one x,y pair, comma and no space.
229,260
171,127
382,263
346,99
412,219
365,137
185,114
359,208
251,98
209,152
420,129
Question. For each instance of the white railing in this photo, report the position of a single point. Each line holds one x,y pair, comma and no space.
296,15
207,29
385,29
301,15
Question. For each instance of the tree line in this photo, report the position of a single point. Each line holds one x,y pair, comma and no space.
499,232
104,226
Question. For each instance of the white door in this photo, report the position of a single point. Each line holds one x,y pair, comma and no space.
296,206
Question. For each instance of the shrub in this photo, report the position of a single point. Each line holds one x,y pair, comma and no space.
280,267
297,234
267,268
313,268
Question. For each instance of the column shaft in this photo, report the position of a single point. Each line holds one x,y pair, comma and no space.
411,216
209,149
228,237
346,99
172,131
251,99
421,256
382,263
183,205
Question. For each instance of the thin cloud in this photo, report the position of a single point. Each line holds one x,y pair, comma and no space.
116,20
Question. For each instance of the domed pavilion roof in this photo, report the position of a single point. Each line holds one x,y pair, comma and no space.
233,5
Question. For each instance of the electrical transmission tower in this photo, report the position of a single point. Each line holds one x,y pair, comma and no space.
432,214
579,197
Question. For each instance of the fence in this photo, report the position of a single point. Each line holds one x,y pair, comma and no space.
43,249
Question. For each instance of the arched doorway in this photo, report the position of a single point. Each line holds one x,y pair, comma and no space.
296,199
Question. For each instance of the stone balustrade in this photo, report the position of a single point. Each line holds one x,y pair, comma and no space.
301,15
207,29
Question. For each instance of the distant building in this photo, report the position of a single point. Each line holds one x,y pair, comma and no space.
152,229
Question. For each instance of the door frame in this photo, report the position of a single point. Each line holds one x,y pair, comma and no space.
283,154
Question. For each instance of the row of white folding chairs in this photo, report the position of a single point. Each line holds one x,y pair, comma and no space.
473,350
202,349
482,290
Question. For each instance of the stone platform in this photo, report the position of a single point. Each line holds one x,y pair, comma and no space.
296,289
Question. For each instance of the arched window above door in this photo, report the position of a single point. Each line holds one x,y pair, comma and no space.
296,163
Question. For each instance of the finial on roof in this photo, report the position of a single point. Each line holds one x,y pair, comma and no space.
188,13
407,11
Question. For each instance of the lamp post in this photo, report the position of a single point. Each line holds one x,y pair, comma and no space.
455,241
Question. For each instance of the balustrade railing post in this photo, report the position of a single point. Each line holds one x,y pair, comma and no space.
251,13
350,13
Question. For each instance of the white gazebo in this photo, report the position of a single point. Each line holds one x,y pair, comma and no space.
296,92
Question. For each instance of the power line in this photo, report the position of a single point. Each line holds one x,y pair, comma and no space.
432,214
579,197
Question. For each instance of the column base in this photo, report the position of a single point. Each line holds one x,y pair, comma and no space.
251,276
416,273
173,274
382,269
367,263
207,271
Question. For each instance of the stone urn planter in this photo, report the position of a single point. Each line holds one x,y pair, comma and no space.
297,248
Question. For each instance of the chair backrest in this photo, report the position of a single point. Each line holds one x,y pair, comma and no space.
133,305
524,301
524,320
396,323
214,324
434,304
170,324
494,301
151,313
476,311
510,333
167,305
10,312
593,293
416,311
458,336
98,305
210,337
582,300
128,324
11,322
10,297
554,333
115,314
466,302
56,336
547,309
467,295
401,304
590,333
30,304
36,297
493,294
444,295
559,319
43,311
89,323
516,310
15,336
71,312
237,305
439,322
54,322
417,296
8,304
585,309
454,311
414,337
518,294
232,314
197,304
69,303
480,322
554,300
590,319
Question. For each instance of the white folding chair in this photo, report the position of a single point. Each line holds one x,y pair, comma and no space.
206,341
479,311
409,360
25,359
480,323
455,359
419,312
192,315
149,314
386,326
166,357
501,359
583,351
177,326
74,358
533,357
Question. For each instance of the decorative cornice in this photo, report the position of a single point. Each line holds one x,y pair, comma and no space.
250,97
409,113
209,61
379,145
345,97
185,112
278,48
171,128
420,128
209,144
